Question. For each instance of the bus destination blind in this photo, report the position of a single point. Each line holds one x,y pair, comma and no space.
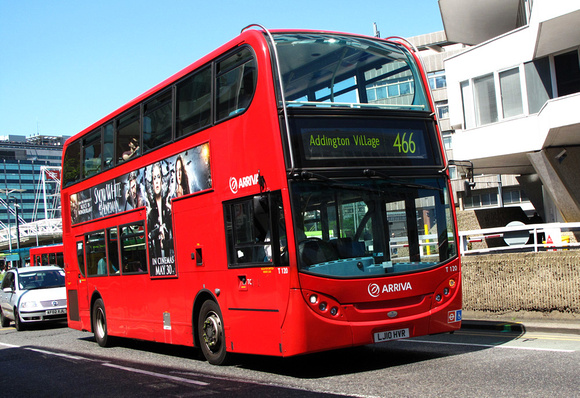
345,143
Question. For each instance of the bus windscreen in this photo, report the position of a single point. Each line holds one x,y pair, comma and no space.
319,68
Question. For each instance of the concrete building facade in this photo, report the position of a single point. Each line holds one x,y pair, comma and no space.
514,96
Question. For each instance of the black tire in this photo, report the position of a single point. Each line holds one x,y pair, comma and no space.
99,324
210,329
17,322
5,322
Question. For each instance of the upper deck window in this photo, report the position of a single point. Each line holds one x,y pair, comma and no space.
235,83
348,70
157,121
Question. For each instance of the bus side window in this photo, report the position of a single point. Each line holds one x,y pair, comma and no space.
128,135
96,255
112,251
255,230
193,103
60,259
72,164
133,249
108,146
92,156
235,85
81,258
157,121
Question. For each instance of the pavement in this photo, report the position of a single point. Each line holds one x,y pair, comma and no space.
521,322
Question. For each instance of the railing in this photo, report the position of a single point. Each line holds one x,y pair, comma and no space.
524,237
34,230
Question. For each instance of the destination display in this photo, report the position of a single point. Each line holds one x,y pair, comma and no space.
373,142
359,142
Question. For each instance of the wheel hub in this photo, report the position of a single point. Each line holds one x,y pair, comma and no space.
211,330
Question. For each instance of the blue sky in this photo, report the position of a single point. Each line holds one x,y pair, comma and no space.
64,64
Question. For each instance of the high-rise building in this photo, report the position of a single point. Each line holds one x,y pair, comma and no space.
25,162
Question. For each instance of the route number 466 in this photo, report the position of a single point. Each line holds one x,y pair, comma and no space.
404,144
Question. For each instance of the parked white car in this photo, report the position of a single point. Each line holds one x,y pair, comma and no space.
32,294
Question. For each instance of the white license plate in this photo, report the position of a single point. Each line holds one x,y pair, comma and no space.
56,312
392,335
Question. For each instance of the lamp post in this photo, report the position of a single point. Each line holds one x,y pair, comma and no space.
8,192
16,206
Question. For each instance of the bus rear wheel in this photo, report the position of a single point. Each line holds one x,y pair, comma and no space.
100,324
210,329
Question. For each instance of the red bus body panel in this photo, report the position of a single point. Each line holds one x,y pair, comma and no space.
265,309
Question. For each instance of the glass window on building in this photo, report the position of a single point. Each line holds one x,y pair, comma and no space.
511,93
437,79
538,83
485,100
448,142
567,68
467,101
442,109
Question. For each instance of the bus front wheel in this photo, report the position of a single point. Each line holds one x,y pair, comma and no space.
100,324
210,329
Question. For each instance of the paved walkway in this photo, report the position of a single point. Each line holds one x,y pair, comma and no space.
522,322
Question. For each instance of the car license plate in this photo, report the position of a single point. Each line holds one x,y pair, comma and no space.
392,335
56,312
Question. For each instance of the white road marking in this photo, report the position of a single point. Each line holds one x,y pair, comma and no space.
161,375
128,369
489,346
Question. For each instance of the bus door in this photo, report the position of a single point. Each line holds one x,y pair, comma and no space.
258,280
77,284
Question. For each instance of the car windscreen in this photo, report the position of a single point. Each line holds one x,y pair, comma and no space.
41,279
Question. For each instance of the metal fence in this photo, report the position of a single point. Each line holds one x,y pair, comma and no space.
519,237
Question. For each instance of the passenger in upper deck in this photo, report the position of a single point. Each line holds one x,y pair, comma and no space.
133,149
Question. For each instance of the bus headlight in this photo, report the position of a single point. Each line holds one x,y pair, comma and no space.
323,305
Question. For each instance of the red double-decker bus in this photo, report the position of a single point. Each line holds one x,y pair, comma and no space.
286,194
47,255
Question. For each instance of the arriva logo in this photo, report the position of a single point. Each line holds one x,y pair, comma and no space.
243,182
375,290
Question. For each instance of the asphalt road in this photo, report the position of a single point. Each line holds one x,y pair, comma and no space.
56,361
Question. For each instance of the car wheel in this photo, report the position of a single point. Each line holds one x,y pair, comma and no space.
5,322
210,329
17,322
99,323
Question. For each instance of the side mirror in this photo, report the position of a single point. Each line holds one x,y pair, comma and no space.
469,185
